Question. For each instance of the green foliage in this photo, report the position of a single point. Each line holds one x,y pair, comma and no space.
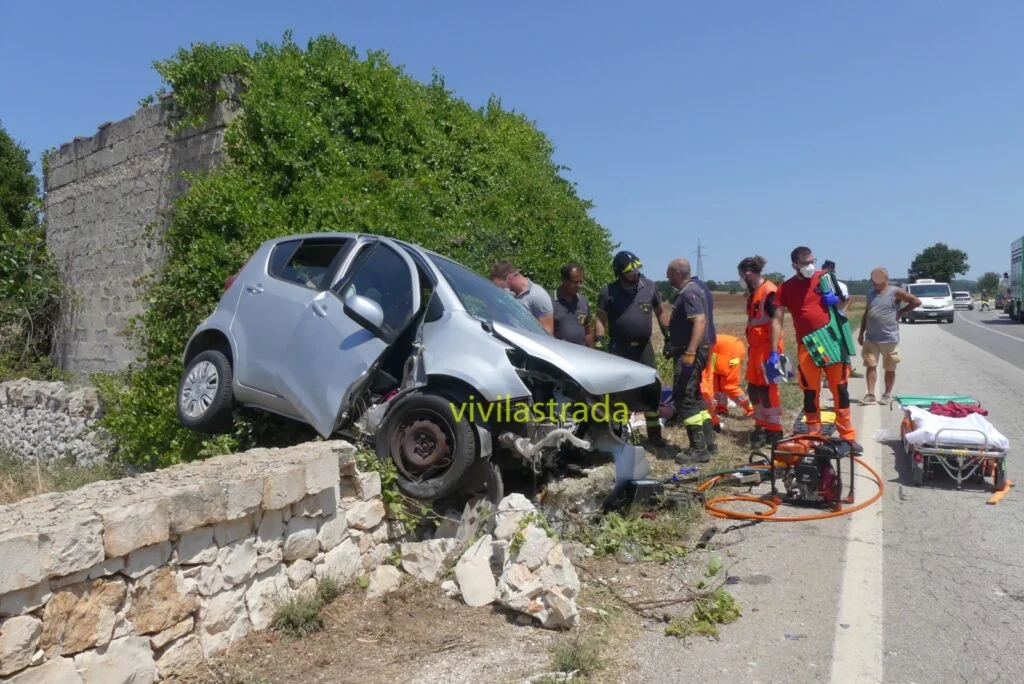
30,291
939,262
302,614
720,608
659,539
327,141
775,277
989,282
408,512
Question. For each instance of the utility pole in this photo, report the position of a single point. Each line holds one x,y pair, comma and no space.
700,260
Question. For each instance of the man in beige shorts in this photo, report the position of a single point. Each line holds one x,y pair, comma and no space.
880,331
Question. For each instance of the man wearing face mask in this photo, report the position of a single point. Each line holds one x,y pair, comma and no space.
764,395
809,306
624,308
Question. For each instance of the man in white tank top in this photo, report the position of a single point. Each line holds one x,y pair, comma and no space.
880,331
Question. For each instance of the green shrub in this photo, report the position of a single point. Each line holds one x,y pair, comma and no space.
30,291
327,141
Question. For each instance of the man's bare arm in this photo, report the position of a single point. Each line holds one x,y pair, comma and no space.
911,301
777,318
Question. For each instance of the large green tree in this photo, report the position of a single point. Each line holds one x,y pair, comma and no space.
989,282
940,262
326,140
28,283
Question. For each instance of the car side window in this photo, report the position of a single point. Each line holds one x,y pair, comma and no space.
306,262
380,274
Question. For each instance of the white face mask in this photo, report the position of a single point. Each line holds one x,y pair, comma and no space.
807,271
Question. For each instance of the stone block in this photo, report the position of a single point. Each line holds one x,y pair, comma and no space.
196,505
179,658
147,559
131,526
24,600
54,671
222,619
284,487
365,515
196,547
322,472
71,545
332,532
129,659
300,539
244,497
22,561
81,617
229,532
19,639
160,641
160,600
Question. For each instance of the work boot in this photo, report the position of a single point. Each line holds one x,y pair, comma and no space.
855,446
709,437
654,437
772,437
697,452
757,437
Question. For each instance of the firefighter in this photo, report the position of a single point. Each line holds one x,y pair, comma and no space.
802,296
764,395
726,362
624,308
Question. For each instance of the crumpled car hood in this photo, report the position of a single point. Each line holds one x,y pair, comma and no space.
596,371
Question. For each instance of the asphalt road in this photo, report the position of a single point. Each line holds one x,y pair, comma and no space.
925,585
989,330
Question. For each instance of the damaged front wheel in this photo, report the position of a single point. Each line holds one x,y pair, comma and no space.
431,449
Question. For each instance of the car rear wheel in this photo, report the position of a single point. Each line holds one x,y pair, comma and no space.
431,449
204,393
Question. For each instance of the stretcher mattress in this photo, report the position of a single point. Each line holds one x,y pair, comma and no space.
971,431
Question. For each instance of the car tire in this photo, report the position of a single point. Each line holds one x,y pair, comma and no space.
205,398
423,421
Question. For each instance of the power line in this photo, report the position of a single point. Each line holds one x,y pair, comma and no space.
700,260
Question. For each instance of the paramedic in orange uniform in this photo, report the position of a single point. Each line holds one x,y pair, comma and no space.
762,294
726,361
800,296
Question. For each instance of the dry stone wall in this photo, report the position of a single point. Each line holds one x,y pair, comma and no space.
102,194
141,578
48,421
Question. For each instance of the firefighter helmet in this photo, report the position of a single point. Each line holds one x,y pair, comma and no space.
626,262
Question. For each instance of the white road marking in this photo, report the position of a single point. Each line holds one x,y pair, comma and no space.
857,651
985,327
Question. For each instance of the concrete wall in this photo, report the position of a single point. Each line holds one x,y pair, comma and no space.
50,421
102,192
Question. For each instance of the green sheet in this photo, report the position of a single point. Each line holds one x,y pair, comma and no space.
926,399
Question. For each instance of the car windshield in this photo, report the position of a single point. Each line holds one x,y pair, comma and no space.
483,299
930,290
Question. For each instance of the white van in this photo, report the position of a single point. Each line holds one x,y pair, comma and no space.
936,301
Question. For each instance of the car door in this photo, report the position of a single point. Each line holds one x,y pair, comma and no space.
330,356
272,302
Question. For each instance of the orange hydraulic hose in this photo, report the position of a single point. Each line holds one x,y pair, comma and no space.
712,509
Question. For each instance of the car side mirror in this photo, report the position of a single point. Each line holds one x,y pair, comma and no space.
365,312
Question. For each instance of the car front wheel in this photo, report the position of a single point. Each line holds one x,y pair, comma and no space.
204,393
431,446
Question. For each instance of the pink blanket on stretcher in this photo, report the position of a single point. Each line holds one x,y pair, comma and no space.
952,409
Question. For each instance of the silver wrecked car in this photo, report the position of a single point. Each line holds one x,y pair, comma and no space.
387,343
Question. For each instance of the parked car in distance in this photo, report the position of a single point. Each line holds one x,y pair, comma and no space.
936,301
963,300
416,356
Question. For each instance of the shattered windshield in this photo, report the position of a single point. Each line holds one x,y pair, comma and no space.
484,300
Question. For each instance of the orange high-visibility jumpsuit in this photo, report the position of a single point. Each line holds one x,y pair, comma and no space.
764,395
727,361
801,299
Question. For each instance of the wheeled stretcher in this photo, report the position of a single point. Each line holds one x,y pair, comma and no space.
966,448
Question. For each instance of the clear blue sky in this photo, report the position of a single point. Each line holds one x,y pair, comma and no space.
865,130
